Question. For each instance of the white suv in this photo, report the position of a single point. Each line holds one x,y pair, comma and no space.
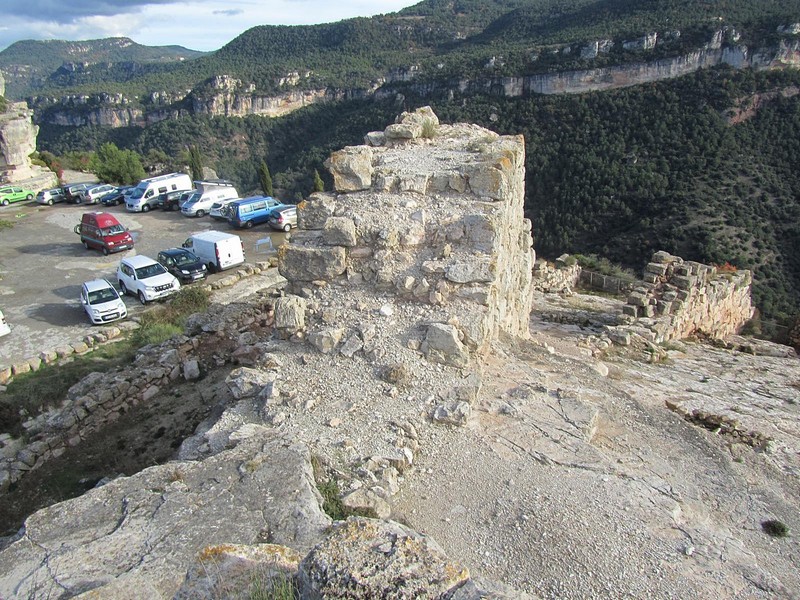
145,278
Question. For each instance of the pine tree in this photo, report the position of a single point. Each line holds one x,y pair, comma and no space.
319,185
265,178
196,163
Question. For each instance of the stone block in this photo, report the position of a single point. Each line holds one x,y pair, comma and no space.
650,277
290,313
351,168
339,231
19,368
442,344
478,271
375,138
326,340
313,212
662,257
80,348
657,268
684,282
5,375
638,299
310,264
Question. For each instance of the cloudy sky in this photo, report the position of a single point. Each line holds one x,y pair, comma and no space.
196,24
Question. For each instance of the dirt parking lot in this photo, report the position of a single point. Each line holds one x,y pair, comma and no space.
43,264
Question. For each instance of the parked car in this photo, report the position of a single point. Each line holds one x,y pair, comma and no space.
251,211
183,264
94,194
204,197
220,210
147,193
50,197
119,196
101,302
73,192
171,200
4,328
14,193
102,231
283,217
218,250
145,278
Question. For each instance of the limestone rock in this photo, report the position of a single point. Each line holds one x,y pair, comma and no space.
290,314
366,502
351,168
299,263
245,382
442,344
366,559
327,339
453,413
235,571
339,231
313,212
139,534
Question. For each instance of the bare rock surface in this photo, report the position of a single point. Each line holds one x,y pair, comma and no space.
139,534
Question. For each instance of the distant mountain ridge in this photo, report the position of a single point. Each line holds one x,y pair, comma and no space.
32,63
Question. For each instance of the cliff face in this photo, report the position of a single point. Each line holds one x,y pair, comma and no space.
17,142
226,96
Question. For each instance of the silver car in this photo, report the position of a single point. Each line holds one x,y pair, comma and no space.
50,197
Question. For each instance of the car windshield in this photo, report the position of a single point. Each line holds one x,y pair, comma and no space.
137,193
113,230
193,198
149,271
103,295
185,258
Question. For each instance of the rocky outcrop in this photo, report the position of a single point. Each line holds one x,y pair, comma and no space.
17,143
143,532
682,299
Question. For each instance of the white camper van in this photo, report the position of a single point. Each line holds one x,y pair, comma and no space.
216,249
145,195
206,194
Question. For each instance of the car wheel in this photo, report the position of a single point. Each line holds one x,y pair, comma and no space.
142,299
145,208
122,288
50,202
5,202
105,251
287,228
248,224
212,268
201,213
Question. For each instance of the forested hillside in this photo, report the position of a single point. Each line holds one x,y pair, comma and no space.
674,165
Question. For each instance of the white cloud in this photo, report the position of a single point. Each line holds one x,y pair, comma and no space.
200,25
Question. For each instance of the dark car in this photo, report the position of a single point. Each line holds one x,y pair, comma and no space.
183,264
74,191
117,197
171,200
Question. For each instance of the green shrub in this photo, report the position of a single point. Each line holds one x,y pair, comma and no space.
775,528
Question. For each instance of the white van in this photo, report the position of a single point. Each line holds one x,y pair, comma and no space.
145,195
216,249
207,193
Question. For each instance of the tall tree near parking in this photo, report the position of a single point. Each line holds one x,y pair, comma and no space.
265,178
196,162
117,166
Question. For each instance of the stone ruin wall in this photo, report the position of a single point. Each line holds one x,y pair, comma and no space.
681,299
99,399
428,213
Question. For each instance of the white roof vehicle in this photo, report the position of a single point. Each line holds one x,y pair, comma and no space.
145,278
101,302
4,328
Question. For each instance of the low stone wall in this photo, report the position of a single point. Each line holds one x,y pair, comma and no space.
100,398
681,299
555,278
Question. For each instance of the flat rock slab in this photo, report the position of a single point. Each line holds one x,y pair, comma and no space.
141,533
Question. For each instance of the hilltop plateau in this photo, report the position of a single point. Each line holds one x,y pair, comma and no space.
568,445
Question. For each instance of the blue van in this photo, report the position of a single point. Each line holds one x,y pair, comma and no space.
251,211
